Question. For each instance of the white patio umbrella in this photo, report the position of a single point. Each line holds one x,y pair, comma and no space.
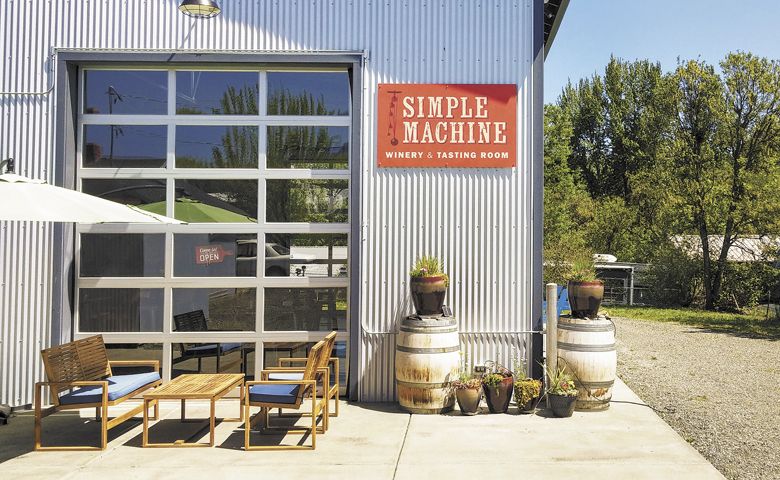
25,199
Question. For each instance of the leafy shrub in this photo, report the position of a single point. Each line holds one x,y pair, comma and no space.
675,278
747,284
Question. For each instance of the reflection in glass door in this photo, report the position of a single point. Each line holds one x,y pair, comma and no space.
257,162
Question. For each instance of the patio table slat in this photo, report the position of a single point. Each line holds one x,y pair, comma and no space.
196,386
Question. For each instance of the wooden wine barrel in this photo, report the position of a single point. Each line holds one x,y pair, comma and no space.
587,348
427,359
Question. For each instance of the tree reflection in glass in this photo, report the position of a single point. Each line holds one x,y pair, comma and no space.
308,147
308,93
216,93
311,201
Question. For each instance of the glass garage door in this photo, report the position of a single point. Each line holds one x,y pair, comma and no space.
257,163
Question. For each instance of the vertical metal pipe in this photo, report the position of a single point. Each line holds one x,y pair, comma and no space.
552,329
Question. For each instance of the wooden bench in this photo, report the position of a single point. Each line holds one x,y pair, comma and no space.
82,367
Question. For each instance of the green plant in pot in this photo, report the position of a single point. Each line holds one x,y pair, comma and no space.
585,291
561,392
528,391
428,286
468,392
497,384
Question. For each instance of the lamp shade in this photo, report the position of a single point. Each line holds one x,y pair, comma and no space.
199,8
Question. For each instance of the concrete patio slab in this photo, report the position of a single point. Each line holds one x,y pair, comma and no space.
372,441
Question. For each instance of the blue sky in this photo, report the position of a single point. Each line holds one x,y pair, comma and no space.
661,30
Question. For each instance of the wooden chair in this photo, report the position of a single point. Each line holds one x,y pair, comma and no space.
326,362
288,394
83,368
195,321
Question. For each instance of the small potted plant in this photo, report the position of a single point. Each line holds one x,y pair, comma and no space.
497,384
468,392
561,392
585,291
528,390
428,286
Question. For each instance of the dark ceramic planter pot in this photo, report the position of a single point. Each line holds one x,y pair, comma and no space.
585,298
562,405
428,294
530,405
468,400
498,397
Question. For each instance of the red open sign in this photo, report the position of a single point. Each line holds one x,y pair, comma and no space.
208,254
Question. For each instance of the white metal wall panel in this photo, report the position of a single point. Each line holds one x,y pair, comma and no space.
478,220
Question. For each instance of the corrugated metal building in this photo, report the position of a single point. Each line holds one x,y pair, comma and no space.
142,61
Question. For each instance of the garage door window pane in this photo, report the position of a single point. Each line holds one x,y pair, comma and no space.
214,309
216,201
121,309
308,147
216,93
305,255
213,357
215,255
126,92
122,255
133,352
216,147
148,194
308,93
124,146
310,309
313,201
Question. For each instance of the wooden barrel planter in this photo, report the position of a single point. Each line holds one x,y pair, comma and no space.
587,349
427,359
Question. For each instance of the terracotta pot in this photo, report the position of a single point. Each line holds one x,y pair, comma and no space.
498,397
468,400
428,294
585,298
562,405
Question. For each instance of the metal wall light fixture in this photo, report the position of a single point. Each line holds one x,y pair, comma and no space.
199,8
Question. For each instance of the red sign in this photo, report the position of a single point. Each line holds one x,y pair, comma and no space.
208,254
441,125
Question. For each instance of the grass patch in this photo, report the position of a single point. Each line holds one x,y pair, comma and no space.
749,324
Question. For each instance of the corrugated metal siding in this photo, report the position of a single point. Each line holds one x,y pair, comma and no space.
479,220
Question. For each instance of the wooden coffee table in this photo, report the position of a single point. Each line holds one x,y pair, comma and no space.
196,386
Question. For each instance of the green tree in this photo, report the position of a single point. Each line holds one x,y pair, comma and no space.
615,127
566,203
720,162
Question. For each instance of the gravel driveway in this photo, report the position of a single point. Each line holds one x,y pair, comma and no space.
720,392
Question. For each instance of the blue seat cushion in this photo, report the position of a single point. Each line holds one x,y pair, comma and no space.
282,393
118,387
285,376
211,349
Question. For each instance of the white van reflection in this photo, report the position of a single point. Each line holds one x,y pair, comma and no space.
278,260
281,262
